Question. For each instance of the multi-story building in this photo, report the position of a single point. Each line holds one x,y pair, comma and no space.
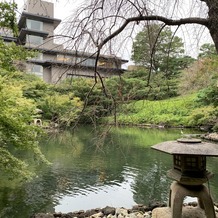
54,63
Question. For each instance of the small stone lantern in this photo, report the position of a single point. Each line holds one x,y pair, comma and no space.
189,172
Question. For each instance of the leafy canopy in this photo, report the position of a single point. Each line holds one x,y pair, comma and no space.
10,54
17,112
16,131
156,48
207,50
8,16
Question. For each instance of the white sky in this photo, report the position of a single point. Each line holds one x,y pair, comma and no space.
62,8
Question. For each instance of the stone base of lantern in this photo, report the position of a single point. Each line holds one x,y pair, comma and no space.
187,212
178,192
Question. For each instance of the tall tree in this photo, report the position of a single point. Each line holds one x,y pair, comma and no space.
157,48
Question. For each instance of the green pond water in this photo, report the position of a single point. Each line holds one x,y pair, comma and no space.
96,168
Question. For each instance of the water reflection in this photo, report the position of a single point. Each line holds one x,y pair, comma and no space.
118,169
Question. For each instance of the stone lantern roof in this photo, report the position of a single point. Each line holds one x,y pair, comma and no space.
186,146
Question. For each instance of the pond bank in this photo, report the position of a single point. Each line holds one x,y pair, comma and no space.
109,212
138,211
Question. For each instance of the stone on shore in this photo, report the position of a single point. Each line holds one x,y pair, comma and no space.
43,215
154,210
187,212
138,211
211,136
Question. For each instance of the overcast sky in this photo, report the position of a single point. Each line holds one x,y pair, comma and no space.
63,9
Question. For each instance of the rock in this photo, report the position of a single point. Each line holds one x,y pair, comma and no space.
97,215
122,212
155,210
43,215
161,213
108,210
59,214
89,213
140,207
138,215
211,136
111,216
155,205
187,212
147,214
194,204
69,215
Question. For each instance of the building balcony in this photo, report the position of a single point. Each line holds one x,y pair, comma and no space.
26,31
46,19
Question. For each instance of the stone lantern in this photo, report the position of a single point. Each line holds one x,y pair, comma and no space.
189,172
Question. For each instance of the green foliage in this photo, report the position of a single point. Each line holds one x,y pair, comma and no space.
10,53
8,16
171,112
97,104
57,104
179,111
134,86
16,131
161,54
61,109
203,116
151,45
127,88
36,89
209,96
200,75
207,50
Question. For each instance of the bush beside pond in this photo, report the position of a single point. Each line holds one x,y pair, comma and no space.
181,111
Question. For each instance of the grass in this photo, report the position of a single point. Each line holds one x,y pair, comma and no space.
171,112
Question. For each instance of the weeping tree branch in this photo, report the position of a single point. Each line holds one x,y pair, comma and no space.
169,22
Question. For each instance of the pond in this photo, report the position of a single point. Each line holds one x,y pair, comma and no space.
94,168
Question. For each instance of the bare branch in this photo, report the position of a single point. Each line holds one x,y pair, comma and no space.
170,22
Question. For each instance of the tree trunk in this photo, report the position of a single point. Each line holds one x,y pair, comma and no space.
213,20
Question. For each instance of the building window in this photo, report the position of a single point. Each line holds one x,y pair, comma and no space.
106,64
37,70
88,62
34,25
34,40
65,58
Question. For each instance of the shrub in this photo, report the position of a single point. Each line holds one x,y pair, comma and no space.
62,109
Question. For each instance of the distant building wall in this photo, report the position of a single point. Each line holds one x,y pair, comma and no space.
41,8
47,74
54,63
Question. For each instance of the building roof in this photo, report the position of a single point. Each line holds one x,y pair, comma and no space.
49,63
76,53
9,38
46,19
188,147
